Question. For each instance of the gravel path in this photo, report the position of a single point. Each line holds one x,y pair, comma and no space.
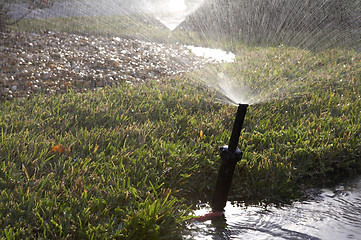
54,62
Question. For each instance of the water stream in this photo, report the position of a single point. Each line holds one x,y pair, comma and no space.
330,214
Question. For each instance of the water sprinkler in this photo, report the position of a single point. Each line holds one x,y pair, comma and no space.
230,155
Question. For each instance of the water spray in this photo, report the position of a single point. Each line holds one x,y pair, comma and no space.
230,155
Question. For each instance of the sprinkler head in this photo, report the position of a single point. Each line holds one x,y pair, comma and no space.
230,155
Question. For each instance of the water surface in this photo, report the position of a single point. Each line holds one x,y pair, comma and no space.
217,55
330,214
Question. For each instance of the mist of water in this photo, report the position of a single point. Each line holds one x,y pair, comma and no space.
171,12
309,26
304,28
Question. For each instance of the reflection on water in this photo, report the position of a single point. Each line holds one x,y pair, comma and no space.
331,214
217,55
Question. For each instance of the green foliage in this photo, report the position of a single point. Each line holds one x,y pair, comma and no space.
130,152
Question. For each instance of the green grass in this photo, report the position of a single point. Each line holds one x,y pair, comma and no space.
310,136
124,171
123,25
137,156
137,26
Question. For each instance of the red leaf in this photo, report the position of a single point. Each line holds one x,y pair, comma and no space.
57,149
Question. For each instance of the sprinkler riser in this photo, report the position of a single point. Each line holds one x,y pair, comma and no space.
230,155
237,127
224,179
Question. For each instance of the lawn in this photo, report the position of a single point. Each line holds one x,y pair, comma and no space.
129,162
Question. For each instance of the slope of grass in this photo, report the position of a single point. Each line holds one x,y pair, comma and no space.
138,26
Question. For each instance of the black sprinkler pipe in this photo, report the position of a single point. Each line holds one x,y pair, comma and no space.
230,155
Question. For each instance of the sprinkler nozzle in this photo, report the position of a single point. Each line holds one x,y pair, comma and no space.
230,155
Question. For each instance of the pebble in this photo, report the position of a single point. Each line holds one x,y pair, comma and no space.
52,62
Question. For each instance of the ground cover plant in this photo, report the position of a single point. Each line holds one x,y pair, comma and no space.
133,26
128,162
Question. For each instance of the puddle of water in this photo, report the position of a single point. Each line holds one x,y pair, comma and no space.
332,214
217,55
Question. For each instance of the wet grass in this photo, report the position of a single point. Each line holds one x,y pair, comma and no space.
132,158
307,138
139,26
134,26
125,25
126,157
127,162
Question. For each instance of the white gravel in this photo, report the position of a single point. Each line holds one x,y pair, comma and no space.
54,62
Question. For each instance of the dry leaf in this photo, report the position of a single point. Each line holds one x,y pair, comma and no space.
57,149
96,148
